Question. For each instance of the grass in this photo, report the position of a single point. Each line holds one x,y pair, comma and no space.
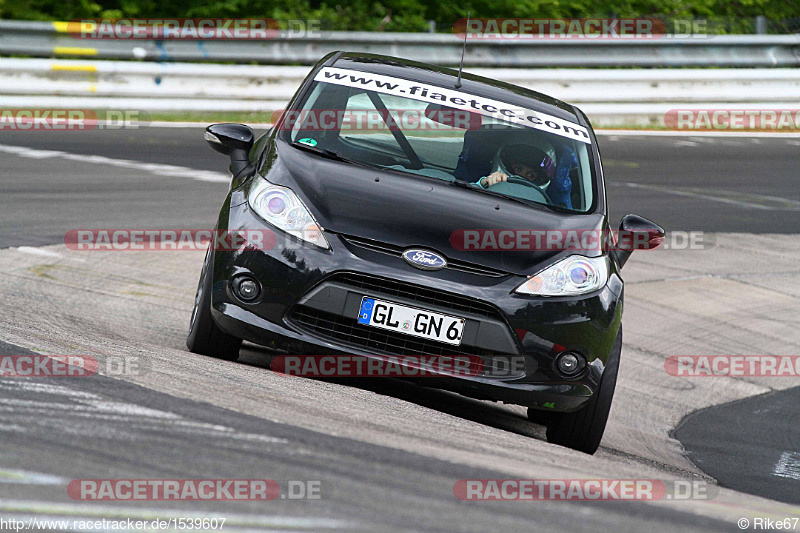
211,117
261,117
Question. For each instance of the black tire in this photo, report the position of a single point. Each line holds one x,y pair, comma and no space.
205,337
537,416
582,430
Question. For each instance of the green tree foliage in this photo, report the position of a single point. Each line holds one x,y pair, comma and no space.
406,15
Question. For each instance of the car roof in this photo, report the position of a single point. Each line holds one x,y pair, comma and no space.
446,77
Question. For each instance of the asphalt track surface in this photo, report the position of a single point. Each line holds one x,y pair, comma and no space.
713,184
386,453
745,430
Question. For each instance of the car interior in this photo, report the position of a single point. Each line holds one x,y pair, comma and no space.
446,143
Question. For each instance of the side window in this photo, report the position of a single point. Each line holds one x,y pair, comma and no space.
585,177
302,128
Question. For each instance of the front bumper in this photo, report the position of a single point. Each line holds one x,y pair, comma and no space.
304,288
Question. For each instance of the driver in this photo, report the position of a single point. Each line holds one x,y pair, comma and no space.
535,165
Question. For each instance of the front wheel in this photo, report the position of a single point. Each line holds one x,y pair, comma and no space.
583,429
205,337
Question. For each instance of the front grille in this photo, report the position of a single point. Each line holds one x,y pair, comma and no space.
350,331
453,264
346,329
416,293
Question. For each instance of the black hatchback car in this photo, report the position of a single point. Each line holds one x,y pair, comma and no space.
410,211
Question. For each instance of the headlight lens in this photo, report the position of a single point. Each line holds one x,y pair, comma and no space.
570,276
281,207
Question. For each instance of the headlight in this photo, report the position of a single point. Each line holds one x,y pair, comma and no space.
281,207
570,276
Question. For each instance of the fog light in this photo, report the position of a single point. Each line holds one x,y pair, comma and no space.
570,364
246,289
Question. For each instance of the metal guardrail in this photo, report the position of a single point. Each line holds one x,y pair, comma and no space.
608,96
50,39
261,85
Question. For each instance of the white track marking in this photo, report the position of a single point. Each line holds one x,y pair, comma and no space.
201,125
37,251
24,477
752,201
46,388
670,133
150,168
84,405
788,465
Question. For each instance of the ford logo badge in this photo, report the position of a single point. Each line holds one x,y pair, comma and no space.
424,259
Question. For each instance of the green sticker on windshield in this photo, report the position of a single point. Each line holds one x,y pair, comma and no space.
309,141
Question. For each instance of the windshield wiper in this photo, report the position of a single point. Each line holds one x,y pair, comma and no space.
324,152
330,154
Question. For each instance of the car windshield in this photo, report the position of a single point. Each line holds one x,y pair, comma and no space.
445,134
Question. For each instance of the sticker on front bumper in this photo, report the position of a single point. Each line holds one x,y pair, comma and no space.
411,321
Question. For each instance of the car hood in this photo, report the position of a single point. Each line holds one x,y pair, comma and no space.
403,211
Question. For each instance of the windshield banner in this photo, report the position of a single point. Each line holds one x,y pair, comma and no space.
455,99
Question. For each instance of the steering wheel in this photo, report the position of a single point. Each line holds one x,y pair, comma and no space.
519,180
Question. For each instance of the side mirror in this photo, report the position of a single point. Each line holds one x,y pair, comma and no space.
233,140
636,233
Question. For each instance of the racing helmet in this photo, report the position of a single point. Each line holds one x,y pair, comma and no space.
545,146
526,154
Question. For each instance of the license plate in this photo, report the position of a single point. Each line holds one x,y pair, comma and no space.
411,321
